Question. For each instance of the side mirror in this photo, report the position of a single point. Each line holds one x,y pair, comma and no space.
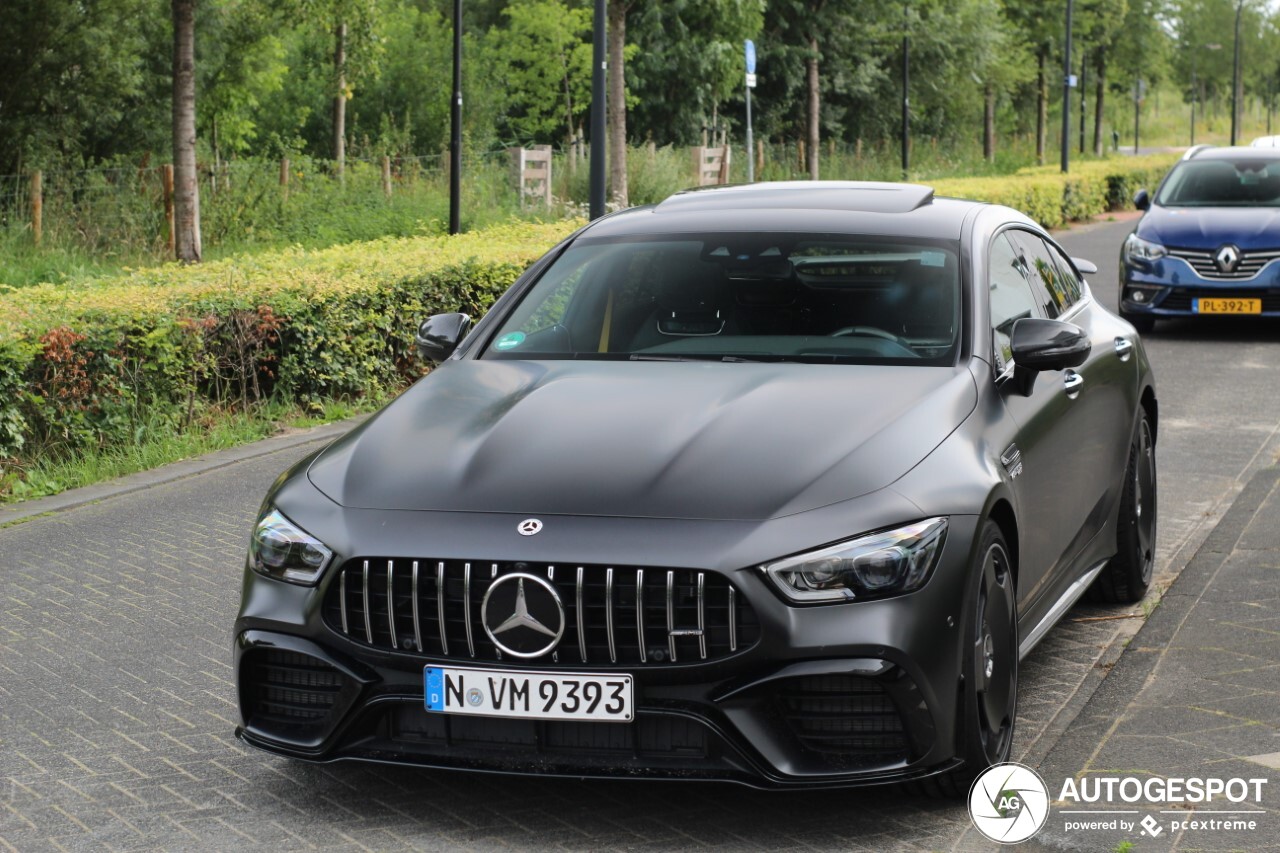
1086,267
1048,344
439,335
1142,200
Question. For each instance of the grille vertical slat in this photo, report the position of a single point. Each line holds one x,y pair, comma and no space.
578,608
444,637
417,623
671,615
668,607
640,614
367,606
608,613
466,604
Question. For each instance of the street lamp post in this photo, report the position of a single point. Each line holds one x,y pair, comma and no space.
906,101
1066,96
1235,80
598,103
455,120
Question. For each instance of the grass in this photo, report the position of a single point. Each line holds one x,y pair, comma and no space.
217,430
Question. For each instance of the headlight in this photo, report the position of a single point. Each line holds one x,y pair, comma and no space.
282,550
1137,249
872,566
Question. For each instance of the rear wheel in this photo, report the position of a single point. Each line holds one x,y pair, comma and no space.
1127,576
990,692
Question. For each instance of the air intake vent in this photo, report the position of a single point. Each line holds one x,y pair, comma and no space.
1247,267
289,694
847,719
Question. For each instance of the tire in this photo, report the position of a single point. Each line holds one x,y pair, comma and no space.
1142,322
1127,576
989,695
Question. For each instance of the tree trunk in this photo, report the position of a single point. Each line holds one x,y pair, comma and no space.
989,123
1099,103
815,105
186,190
617,103
340,99
1042,105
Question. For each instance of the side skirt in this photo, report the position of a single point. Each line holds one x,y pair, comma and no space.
1069,597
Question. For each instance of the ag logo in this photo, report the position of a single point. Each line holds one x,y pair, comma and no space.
1009,803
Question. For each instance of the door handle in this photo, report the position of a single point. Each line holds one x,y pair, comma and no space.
1124,348
1073,382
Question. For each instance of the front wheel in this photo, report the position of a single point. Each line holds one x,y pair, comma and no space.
989,696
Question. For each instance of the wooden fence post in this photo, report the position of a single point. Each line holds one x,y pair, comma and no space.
284,178
37,206
386,176
166,176
759,156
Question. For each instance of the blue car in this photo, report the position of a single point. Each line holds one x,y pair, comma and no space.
1209,241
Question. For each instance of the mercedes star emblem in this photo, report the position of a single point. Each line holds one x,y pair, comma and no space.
529,526
522,615
1227,258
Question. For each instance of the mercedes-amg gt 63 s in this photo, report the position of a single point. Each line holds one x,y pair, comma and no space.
773,484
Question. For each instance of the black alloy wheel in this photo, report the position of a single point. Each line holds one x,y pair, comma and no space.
1128,575
990,692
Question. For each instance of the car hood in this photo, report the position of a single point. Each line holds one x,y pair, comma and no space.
1208,228
660,440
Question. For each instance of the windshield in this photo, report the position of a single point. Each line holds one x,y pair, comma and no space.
742,297
1222,183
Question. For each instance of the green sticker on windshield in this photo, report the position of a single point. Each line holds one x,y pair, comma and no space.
511,340
933,259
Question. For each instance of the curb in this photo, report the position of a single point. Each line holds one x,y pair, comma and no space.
73,498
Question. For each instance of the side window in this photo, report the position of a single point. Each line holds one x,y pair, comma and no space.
1072,286
1010,298
1052,289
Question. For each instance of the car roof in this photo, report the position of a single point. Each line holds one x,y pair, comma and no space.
850,207
1239,152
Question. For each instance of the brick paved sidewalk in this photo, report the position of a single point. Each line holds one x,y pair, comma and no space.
1195,694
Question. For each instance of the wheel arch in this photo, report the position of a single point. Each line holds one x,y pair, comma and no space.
1001,512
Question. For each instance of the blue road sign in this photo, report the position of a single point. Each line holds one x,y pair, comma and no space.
751,57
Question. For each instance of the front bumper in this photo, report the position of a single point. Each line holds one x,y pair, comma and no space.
836,695
1169,287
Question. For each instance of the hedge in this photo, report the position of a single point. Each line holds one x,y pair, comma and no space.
98,363
90,365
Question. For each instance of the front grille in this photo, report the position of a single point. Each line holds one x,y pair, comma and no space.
1181,299
613,615
846,719
288,693
1251,263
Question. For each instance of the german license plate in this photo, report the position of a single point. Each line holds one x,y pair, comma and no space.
529,695
1228,306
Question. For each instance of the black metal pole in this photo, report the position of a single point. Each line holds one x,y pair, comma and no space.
599,145
1137,110
1084,95
455,119
1235,80
1066,96
906,102
1194,54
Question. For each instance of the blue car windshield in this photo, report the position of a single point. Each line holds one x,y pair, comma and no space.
1222,183
742,297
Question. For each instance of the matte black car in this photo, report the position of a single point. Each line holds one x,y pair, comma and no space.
1209,241
774,484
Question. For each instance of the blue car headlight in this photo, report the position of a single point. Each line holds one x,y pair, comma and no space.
1138,249
282,550
872,566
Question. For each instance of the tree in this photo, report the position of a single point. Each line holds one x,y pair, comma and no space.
617,100
544,55
186,188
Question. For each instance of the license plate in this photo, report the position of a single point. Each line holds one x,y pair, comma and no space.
1228,306
529,695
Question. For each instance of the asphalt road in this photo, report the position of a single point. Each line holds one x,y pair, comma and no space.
117,706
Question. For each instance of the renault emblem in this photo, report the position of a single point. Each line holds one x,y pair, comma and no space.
529,527
522,615
1227,258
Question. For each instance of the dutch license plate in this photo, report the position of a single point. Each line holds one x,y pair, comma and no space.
529,695
1228,306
